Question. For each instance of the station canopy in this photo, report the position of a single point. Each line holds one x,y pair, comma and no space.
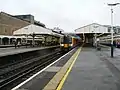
7,36
92,28
37,30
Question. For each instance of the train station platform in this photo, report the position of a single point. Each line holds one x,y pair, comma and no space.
87,71
12,50
90,73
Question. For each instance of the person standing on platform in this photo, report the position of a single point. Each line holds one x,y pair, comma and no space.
18,44
15,42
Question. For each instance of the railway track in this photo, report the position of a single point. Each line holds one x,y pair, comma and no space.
15,67
15,74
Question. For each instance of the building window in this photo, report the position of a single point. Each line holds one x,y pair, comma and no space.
118,30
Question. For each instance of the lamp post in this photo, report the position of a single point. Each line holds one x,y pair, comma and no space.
33,42
111,5
26,35
95,35
84,36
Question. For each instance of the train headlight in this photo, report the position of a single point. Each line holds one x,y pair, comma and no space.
62,44
71,44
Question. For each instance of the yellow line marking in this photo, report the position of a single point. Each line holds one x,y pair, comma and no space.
69,69
54,83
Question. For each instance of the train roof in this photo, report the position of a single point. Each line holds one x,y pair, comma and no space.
73,35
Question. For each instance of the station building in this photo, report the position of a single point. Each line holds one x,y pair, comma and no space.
116,29
90,32
48,36
10,23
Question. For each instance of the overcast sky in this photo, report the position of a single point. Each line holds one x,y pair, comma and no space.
66,14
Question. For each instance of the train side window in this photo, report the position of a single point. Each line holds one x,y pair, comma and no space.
70,40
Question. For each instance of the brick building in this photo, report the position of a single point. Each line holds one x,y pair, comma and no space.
9,23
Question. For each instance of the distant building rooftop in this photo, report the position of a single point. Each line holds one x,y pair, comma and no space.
39,23
28,18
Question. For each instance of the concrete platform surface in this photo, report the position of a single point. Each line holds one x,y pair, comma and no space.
106,54
12,50
90,72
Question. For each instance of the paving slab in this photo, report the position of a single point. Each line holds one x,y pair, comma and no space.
90,72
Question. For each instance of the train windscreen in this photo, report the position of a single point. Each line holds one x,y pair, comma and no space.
66,40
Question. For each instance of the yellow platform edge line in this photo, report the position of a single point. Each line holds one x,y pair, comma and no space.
54,84
69,69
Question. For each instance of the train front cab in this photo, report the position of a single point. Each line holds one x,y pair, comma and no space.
69,43
65,43
65,47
